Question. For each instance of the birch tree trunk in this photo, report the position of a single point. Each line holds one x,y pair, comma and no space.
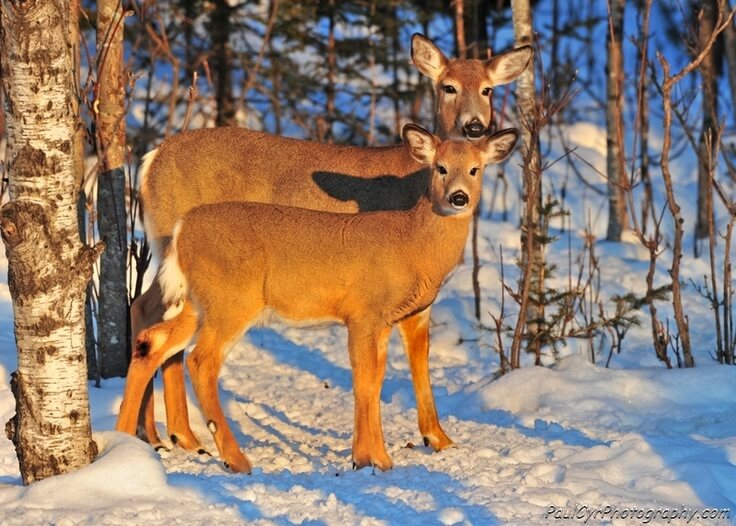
113,301
617,217
532,260
48,267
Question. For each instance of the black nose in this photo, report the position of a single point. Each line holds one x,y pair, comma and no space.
459,199
474,129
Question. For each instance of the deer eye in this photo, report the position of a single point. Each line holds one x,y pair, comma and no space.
449,89
474,171
441,169
487,92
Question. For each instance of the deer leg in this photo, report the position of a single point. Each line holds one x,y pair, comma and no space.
204,364
415,335
152,347
146,420
145,311
368,348
177,413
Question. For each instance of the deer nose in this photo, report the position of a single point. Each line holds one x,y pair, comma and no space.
474,129
459,199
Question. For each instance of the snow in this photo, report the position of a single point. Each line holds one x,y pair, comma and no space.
631,444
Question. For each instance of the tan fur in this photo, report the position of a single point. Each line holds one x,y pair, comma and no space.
224,164
368,271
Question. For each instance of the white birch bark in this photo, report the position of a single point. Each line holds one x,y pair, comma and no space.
532,257
48,267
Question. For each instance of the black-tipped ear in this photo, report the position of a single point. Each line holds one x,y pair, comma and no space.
506,67
422,144
427,57
499,146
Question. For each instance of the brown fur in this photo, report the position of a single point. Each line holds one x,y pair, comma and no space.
215,165
368,271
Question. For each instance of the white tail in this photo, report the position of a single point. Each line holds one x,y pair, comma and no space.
381,268
172,280
231,164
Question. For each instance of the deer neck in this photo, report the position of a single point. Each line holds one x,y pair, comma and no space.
438,239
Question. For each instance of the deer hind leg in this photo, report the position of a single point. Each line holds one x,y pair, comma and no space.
147,420
147,310
368,348
204,364
152,347
175,399
415,335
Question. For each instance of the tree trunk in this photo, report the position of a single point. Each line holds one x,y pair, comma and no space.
190,9
617,217
326,132
462,48
48,267
396,56
532,257
710,118
112,320
220,30
472,42
729,47
647,205
78,160
475,14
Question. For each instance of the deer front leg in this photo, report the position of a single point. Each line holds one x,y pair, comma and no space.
204,364
368,347
415,335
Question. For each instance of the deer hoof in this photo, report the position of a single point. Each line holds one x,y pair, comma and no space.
382,462
438,442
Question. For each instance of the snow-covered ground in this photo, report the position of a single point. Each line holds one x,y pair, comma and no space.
631,444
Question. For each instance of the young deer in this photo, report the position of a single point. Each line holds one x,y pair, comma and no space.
381,267
208,166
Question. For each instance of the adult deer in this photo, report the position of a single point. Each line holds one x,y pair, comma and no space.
225,164
368,271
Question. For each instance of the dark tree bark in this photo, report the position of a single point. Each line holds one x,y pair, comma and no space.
78,160
729,47
709,94
325,133
112,320
472,42
48,267
222,62
475,14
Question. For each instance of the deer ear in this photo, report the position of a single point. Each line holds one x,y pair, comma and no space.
500,145
422,144
427,57
506,67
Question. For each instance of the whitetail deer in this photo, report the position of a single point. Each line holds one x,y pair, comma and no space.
215,165
228,262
